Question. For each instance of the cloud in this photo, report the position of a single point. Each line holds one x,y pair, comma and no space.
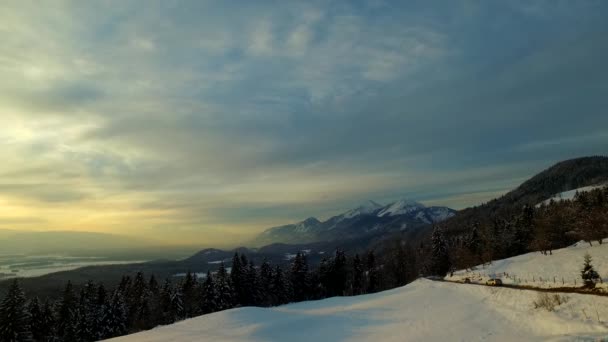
197,117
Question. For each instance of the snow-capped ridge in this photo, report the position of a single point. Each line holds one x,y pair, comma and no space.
366,207
401,207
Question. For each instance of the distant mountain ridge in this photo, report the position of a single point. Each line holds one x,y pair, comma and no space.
368,218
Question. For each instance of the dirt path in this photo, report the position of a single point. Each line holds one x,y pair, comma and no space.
532,288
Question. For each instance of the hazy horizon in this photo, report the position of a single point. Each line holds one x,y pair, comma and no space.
194,122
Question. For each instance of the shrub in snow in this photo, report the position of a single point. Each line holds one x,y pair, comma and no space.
549,302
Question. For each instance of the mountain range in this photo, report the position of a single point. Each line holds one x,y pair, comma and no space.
370,218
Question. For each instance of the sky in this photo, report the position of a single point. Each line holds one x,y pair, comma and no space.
207,121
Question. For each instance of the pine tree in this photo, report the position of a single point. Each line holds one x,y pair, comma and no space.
14,317
253,285
48,323
66,318
189,290
41,320
99,303
125,285
373,275
177,305
266,288
357,282
208,295
440,261
114,320
279,287
299,278
167,316
524,230
36,320
154,302
136,298
86,314
237,277
223,286
397,265
588,273
324,278
339,274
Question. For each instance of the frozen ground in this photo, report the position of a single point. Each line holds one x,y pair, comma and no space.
535,269
421,311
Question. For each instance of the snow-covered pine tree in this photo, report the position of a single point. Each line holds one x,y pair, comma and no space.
14,317
36,319
588,273
135,299
114,320
66,315
48,327
223,286
86,318
209,295
101,302
177,304
191,300
167,316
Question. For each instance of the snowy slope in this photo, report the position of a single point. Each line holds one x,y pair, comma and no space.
540,270
568,195
400,207
364,209
421,311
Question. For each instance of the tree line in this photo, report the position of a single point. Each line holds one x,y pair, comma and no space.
541,228
140,303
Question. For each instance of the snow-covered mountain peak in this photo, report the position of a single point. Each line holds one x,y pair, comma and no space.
311,220
307,225
366,207
401,207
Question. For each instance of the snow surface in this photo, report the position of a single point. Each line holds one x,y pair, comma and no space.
401,207
366,208
568,195
421,311
439,214
536,269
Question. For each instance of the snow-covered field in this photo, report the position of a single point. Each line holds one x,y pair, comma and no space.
535,269
421,311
